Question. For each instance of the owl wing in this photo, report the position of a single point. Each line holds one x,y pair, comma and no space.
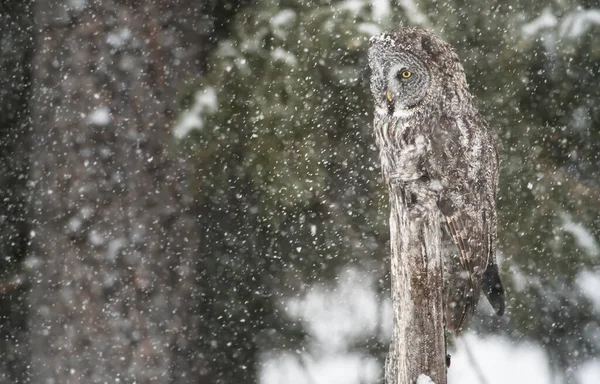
492,284
470,255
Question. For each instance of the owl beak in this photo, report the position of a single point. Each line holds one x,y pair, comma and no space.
388,95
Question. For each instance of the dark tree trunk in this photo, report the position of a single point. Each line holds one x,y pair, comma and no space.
114,242
418,346
15,52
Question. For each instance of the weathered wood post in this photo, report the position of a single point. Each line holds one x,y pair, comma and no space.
418,345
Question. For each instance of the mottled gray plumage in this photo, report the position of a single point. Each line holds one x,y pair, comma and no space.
441,153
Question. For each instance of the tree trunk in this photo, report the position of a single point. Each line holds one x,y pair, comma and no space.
15,52
418,345
113,252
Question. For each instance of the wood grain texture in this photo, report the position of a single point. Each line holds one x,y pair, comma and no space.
418,345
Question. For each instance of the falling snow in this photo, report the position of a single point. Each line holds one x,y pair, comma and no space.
191,191
100,116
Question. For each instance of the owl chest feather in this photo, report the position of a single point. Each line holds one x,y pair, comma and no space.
427,156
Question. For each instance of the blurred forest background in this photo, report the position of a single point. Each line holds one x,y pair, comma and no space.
190,190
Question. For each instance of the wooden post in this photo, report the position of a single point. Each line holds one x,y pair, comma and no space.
418,345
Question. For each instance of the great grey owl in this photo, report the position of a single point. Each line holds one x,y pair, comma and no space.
441,152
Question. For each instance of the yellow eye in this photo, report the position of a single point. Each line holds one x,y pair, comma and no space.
406,74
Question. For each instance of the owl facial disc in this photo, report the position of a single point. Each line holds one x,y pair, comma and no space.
399,80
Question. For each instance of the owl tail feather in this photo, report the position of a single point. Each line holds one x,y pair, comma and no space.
493,289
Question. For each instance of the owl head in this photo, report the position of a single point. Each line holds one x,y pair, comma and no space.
412,69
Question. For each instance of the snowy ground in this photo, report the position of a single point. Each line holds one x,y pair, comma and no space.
338,317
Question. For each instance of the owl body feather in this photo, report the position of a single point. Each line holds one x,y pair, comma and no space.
437,148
